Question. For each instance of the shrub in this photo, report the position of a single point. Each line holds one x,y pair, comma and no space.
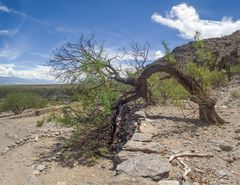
208,79
166,91
17,102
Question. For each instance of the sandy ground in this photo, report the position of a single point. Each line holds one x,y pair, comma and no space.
18,162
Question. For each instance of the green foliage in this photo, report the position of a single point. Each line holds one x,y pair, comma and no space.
166,91
207,79
204,57
17,102
168,55
235,69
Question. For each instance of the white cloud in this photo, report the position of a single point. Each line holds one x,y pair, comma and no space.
186,20
38,72
158,54
8,53
4,9
9,32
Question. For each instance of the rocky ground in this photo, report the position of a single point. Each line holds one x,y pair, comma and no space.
32,155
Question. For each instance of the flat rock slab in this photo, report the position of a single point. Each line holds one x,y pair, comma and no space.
125,155
143,137
153,166
148,128
152,147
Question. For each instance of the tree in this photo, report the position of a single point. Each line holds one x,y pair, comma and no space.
17,102
88,64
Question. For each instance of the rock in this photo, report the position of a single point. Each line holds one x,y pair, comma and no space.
36,138
225,147
222,174
148,128
195,183
186,183
216,148
40,167
237,131
152,147
125,155
143,137
140,114
153,166
168,182
237,137
124,179
36,172
62,183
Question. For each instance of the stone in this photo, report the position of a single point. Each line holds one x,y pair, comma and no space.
36,138
62,183
40,167
195,183
153,166
124,179
168,182
36,172
140,114
225,147
186,183
148,128
237,137
125,155
152,147
143,137
222,174
237,131
216,148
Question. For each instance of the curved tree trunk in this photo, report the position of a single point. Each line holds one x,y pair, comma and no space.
207,112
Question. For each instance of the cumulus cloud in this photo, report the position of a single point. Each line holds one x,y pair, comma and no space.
38,72
187,21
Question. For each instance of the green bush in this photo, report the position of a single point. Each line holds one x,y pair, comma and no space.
166,91
208,79
17,102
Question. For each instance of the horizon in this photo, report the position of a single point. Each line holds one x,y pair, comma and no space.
31,30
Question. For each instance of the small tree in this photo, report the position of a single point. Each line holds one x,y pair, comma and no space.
17,102
109,92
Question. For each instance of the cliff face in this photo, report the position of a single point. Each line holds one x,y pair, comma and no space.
224,49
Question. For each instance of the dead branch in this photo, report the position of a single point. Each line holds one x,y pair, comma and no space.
186,168
189,154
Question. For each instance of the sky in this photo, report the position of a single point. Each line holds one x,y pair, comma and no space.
31,29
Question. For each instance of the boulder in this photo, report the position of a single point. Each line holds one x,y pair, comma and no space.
152,166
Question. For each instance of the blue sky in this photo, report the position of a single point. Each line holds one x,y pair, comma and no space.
31,29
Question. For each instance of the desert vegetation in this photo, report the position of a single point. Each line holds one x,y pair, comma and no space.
109,93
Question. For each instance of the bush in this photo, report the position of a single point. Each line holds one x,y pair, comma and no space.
17,102
166,91
208,79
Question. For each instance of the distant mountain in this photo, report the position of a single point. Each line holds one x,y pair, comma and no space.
14,80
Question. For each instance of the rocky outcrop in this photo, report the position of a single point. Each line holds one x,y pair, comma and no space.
225,49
